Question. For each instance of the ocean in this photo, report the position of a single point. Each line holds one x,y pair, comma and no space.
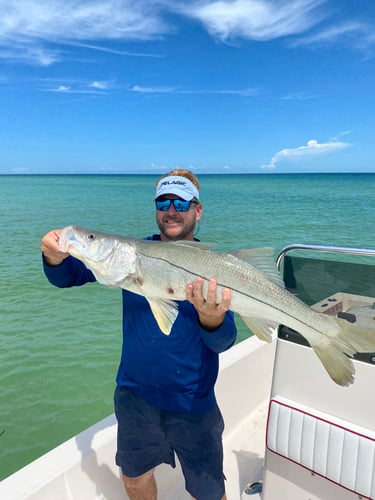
59,349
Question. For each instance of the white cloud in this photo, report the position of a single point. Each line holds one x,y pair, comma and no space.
312,148
28,52
350,31
100,85
255,19
29,29
20,170
80,19
111,50
247,92
67,89
35,31
299,96
152,90
63,88
81,86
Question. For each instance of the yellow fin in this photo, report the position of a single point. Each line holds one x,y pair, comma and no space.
165,313
260,327
335,355
262,259
355,338
194,244
337,364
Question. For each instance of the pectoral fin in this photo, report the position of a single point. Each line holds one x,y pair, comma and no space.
260,327
165,313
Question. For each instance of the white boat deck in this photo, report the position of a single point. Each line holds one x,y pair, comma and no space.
243,461
244,452
83,467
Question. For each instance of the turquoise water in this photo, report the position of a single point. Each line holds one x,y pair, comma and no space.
59,349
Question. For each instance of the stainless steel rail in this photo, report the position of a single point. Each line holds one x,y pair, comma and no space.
322,248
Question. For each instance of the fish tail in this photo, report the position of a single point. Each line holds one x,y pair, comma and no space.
357,338
337,364
335,355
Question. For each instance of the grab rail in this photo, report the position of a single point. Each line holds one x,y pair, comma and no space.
322,248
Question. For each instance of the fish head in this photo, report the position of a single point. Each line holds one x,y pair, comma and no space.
113,262
85,244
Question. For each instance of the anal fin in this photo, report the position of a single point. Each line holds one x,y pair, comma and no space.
260,327
165,313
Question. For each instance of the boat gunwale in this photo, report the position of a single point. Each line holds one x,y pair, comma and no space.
322,248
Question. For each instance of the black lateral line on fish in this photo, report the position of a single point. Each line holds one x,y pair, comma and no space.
226,286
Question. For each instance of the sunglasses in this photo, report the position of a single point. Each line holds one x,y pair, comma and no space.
179,205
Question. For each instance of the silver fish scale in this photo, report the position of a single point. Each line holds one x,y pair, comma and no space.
177,264
166,269
161,271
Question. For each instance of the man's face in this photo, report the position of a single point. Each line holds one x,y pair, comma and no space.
175,225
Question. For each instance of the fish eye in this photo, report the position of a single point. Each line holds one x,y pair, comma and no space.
91,237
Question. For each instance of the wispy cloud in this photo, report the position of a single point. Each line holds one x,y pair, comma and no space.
153,90
255,19
247,92
303,22
312,148
75,87
102,85
356,34
81,19
157,167
28,52
63,89
31,30
299,96
72,85
43,32
111,50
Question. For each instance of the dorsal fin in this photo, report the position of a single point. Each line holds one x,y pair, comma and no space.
196,244
262,259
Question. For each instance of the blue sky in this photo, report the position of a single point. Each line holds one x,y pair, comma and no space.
145,86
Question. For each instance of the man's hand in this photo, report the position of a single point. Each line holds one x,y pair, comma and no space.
211,314
50,248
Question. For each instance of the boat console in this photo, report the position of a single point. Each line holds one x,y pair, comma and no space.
320,437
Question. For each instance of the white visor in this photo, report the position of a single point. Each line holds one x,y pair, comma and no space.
177,185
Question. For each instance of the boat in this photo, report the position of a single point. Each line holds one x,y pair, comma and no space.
291,432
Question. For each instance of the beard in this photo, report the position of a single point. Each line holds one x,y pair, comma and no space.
174,227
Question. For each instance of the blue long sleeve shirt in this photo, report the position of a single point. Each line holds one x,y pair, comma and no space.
175,372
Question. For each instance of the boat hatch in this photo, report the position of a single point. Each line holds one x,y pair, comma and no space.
345,288
320,438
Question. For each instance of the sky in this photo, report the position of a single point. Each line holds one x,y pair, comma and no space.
215,86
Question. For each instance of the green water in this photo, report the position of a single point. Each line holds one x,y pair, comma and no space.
60,349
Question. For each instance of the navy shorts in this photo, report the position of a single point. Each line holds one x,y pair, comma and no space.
148,437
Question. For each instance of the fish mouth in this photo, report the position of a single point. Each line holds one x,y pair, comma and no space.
77,247
65,239
70,244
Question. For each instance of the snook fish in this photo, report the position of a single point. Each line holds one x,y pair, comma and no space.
160,272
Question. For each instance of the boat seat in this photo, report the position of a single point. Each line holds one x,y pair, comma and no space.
327,446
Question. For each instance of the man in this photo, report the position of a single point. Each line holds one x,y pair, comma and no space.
164,399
